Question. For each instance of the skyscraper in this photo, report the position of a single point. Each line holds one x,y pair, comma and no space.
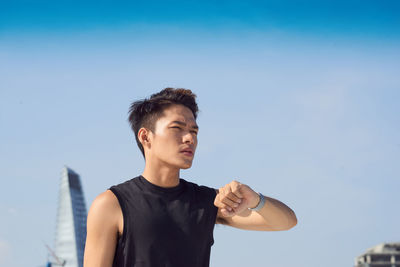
71,221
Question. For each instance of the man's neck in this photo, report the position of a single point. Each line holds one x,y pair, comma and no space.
161,175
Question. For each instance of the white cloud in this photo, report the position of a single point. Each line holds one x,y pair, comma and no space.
12,211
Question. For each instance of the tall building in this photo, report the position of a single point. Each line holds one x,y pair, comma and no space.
382,255
71,221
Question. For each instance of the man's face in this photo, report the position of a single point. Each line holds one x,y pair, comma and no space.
174,140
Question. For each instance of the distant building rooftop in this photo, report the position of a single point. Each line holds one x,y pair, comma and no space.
382,255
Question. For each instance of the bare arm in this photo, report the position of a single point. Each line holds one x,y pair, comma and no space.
104,224
233,201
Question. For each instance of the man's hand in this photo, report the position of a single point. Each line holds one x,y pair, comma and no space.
233,201
234,198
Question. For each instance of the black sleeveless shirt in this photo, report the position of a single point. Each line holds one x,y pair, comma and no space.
165,227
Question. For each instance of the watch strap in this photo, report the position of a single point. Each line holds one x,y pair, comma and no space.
260,204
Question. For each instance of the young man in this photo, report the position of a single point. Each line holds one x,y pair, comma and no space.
160,220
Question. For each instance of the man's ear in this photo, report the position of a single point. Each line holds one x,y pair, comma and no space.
143,136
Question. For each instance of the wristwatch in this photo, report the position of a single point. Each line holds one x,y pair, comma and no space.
260,204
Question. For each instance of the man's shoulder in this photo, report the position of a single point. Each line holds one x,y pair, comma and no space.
200,188
127,184
105,215
104,205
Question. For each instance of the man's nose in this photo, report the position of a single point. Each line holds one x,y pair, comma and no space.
188,138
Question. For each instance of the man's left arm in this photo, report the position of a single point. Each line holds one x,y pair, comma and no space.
234,200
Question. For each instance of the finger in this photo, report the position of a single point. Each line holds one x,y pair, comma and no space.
227,213
226,198
234,198
229,202
234,188
222,202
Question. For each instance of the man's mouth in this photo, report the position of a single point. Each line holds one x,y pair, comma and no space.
187,152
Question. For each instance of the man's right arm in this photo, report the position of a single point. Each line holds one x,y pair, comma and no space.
104,224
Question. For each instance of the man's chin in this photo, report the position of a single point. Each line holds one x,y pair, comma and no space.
186,165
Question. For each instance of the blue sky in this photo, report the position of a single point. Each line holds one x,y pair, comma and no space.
298,99
334,17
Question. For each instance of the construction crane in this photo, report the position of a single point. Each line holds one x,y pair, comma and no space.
57,262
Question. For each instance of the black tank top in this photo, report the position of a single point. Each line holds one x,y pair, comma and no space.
165,227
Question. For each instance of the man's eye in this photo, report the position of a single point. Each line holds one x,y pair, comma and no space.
195,132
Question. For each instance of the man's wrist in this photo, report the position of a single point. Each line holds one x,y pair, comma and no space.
260,204
255,201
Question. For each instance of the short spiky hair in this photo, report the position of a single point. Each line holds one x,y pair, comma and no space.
145,112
